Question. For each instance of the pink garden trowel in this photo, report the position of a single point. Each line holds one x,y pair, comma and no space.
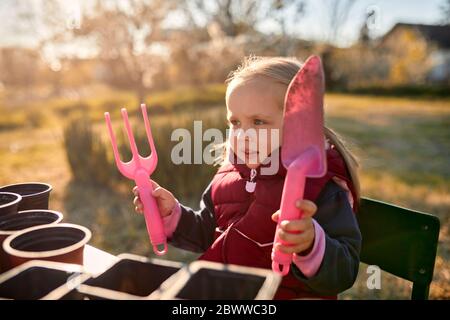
303,145
139,169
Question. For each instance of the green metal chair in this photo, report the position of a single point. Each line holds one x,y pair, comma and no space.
400,241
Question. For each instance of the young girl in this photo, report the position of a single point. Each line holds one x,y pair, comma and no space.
237,224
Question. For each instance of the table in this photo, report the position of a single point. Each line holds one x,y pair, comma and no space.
96,261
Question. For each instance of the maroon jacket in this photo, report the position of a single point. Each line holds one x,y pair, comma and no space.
235,226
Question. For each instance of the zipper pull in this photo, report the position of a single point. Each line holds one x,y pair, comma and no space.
251,185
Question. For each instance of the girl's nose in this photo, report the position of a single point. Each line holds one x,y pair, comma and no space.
248,135
241,133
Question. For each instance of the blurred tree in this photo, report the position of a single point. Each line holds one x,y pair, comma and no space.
445,8
364,33
184,68
78,72
338,12
235,17
128,35
19,64
279,11
231,29
19,67
44,25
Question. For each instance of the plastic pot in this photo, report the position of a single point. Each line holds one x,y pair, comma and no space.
131,277
59,242
39,279
35,195
13,223
9,203
210,280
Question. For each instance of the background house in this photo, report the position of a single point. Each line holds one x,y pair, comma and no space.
431,40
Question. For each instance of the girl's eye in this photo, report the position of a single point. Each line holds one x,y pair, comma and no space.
235,123
258,122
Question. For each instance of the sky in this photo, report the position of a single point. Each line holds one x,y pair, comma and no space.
309,27
389,12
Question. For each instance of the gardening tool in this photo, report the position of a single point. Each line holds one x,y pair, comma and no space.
303,146
139,169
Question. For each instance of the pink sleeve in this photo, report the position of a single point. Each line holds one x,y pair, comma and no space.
171,221
310,263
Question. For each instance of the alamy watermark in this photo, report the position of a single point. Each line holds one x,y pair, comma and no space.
249,146
374,280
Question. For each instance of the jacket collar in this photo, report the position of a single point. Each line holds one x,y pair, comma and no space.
275,156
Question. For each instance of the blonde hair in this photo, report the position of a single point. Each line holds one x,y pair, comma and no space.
283,70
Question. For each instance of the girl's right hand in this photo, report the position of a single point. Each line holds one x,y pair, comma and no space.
164,198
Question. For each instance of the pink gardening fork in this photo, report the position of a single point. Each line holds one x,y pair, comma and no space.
139,169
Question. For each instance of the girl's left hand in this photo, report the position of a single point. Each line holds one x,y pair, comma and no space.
299,234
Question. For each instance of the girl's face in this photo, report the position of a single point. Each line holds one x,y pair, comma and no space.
255,106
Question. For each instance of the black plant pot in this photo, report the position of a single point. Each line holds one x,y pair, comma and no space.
204,280
38,279
131,277
63,242
9,203
13,223
35,195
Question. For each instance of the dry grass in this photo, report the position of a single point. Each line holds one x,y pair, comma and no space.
403,145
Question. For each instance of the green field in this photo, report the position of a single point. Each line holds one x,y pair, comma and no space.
403,145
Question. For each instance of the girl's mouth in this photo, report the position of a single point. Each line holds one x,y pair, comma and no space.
249,154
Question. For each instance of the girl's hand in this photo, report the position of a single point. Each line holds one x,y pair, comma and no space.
299,234
164,198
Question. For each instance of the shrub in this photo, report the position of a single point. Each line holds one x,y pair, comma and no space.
87,154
